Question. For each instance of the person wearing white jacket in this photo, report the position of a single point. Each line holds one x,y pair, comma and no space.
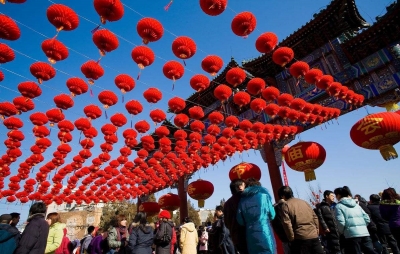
189,238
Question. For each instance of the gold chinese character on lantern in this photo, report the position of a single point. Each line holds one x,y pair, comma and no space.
369,125
295,153
239,170
191,189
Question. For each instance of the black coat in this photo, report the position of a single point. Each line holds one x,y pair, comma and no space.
237,232
381,224
221,238
372,228
164,226
327,220
34,237
141,240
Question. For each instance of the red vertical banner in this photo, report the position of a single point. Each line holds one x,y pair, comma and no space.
285,180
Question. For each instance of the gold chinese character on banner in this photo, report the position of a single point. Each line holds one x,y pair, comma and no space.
370,125
295,153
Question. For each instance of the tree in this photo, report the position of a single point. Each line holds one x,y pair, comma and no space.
152,198
222,202
315,195
210,217
192,214
110,210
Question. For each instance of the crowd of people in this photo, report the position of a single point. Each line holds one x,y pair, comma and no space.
247,223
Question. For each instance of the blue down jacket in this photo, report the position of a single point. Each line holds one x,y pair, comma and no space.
351,219
255,213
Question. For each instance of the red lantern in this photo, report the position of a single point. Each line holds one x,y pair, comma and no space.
124,82
199,82
245,171
282,56
42,71
8,29
183,47
299,69
38,118
272,110
235,76
118,119
241,98
54,50
270,93
29,89
378,131
92,111
255,86
82,124
285,99
143,56
6,53
54,115
197,126
142,126
63,101
109,10
266,42
134,107
23,104
176,104
1,76
150,208
313,76
334,89
222,92
77,86
244,24
258,105
245,125
105,41
162,131
7,109
231,121
196,112
212,64
215,118
13,123
213,7
305,157
92,70
169,202
297,104
157,115
107,98
200,190
149,30
181,120
152,95
62,17
173,70
324,82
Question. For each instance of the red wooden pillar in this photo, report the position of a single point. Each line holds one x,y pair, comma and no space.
183,209
273,168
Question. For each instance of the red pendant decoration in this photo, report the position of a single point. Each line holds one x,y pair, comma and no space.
282,56
54,50
92,71
42,71
150,30
109,10
105,41
183,47
245,171
199,82
212,64
200,190
9,30
6,53
266,42
244,24
77,86
235,76
213,7
62,17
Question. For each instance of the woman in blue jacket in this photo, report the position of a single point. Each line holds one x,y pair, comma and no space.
255,213
352,222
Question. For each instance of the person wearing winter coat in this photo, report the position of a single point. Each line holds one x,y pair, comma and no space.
164,229
238,232
9,235
142,234
220,235
118,235
189,238
390,211
300,223
385,236
56,233
352,222
34,238
327,220
277,225
86,240
203,240
256,212
96,245
65,247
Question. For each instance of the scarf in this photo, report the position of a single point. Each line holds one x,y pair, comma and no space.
121,233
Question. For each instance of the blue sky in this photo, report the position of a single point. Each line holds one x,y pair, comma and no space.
364,171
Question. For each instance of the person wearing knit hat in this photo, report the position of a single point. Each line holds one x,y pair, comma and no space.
164,233
164,214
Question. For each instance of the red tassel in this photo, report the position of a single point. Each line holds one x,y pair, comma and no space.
91,92
168,5
285,179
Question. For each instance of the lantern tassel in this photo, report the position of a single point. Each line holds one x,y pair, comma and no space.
168,5
388,152
138,76
200,203
105,113
310,176
184,62
91,92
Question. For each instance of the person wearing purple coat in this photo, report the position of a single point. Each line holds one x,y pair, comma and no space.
96,246
390,211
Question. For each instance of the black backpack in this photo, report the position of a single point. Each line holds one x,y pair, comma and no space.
164,239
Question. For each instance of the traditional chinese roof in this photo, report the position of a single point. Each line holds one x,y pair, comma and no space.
338,17
383,33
